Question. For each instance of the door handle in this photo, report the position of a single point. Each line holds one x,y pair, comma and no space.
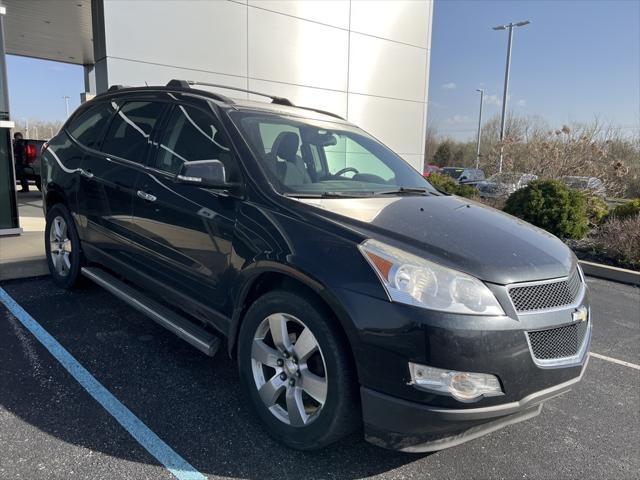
86,173
146,196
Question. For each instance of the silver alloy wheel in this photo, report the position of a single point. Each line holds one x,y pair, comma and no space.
289,369
60,246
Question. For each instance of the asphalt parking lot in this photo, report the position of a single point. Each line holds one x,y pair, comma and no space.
50,427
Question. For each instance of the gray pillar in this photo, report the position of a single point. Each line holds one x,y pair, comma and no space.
90,79
8,202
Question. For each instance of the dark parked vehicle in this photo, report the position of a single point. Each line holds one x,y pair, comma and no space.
464,175
31,170
349,290
504,184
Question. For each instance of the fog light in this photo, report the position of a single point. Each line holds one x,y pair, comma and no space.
463,386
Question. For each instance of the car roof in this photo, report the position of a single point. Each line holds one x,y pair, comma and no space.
257,106
278,105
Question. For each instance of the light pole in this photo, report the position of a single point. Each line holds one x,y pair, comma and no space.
66,104
479,128
506,81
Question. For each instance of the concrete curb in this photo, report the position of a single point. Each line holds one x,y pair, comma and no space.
615,274
24,268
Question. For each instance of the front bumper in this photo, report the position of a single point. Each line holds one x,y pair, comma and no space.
400,416
399,424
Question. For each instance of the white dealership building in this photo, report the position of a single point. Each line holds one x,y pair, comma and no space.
367,61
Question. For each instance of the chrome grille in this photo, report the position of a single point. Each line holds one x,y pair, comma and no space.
560,342
544,295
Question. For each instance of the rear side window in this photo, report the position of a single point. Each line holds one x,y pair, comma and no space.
88,128
130,130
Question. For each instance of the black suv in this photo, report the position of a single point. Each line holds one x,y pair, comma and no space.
350,291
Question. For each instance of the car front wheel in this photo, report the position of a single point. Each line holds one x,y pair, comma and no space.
295,368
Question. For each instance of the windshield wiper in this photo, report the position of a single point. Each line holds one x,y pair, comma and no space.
323,195
405,191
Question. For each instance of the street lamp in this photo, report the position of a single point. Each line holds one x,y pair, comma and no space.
506,81
66,103
479,128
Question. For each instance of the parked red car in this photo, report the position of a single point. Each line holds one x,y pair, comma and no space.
429,169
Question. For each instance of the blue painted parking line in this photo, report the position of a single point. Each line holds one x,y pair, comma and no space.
177,465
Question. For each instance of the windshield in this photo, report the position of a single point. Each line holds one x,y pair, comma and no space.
453,172
305,157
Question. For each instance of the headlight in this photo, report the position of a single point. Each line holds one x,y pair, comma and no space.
415,281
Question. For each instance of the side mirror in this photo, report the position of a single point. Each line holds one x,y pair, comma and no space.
203,173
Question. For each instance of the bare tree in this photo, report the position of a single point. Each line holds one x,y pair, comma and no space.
38,129
430,143
532,146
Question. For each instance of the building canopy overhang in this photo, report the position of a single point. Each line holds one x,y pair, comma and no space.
58,30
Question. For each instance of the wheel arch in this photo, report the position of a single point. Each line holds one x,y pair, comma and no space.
52,197
266,278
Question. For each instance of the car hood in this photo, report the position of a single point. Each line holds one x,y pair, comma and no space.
456,232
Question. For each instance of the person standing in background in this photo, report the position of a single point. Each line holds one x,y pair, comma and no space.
20,160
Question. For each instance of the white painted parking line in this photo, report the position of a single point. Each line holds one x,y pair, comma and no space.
615,360
177,465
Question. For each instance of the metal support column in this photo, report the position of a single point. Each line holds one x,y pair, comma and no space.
9,220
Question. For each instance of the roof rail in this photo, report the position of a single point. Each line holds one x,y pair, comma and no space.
274,99
323,112
114,88
187,84
178,83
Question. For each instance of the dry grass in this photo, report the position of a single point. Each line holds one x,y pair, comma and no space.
620,239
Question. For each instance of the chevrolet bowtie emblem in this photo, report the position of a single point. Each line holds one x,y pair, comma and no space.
580,315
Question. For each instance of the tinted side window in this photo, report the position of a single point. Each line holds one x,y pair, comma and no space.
193,135
130,130
88,128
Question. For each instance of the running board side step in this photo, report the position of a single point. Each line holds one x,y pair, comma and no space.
204,341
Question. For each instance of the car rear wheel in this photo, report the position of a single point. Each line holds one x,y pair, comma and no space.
62,246
296,371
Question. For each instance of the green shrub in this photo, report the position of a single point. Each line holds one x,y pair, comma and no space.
446,184
551,205
629,209
597,210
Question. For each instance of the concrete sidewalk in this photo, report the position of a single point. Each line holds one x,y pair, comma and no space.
22,256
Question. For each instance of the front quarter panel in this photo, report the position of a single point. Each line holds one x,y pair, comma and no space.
272,240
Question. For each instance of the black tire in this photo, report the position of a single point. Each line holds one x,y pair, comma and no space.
340,414
72,277
38,182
